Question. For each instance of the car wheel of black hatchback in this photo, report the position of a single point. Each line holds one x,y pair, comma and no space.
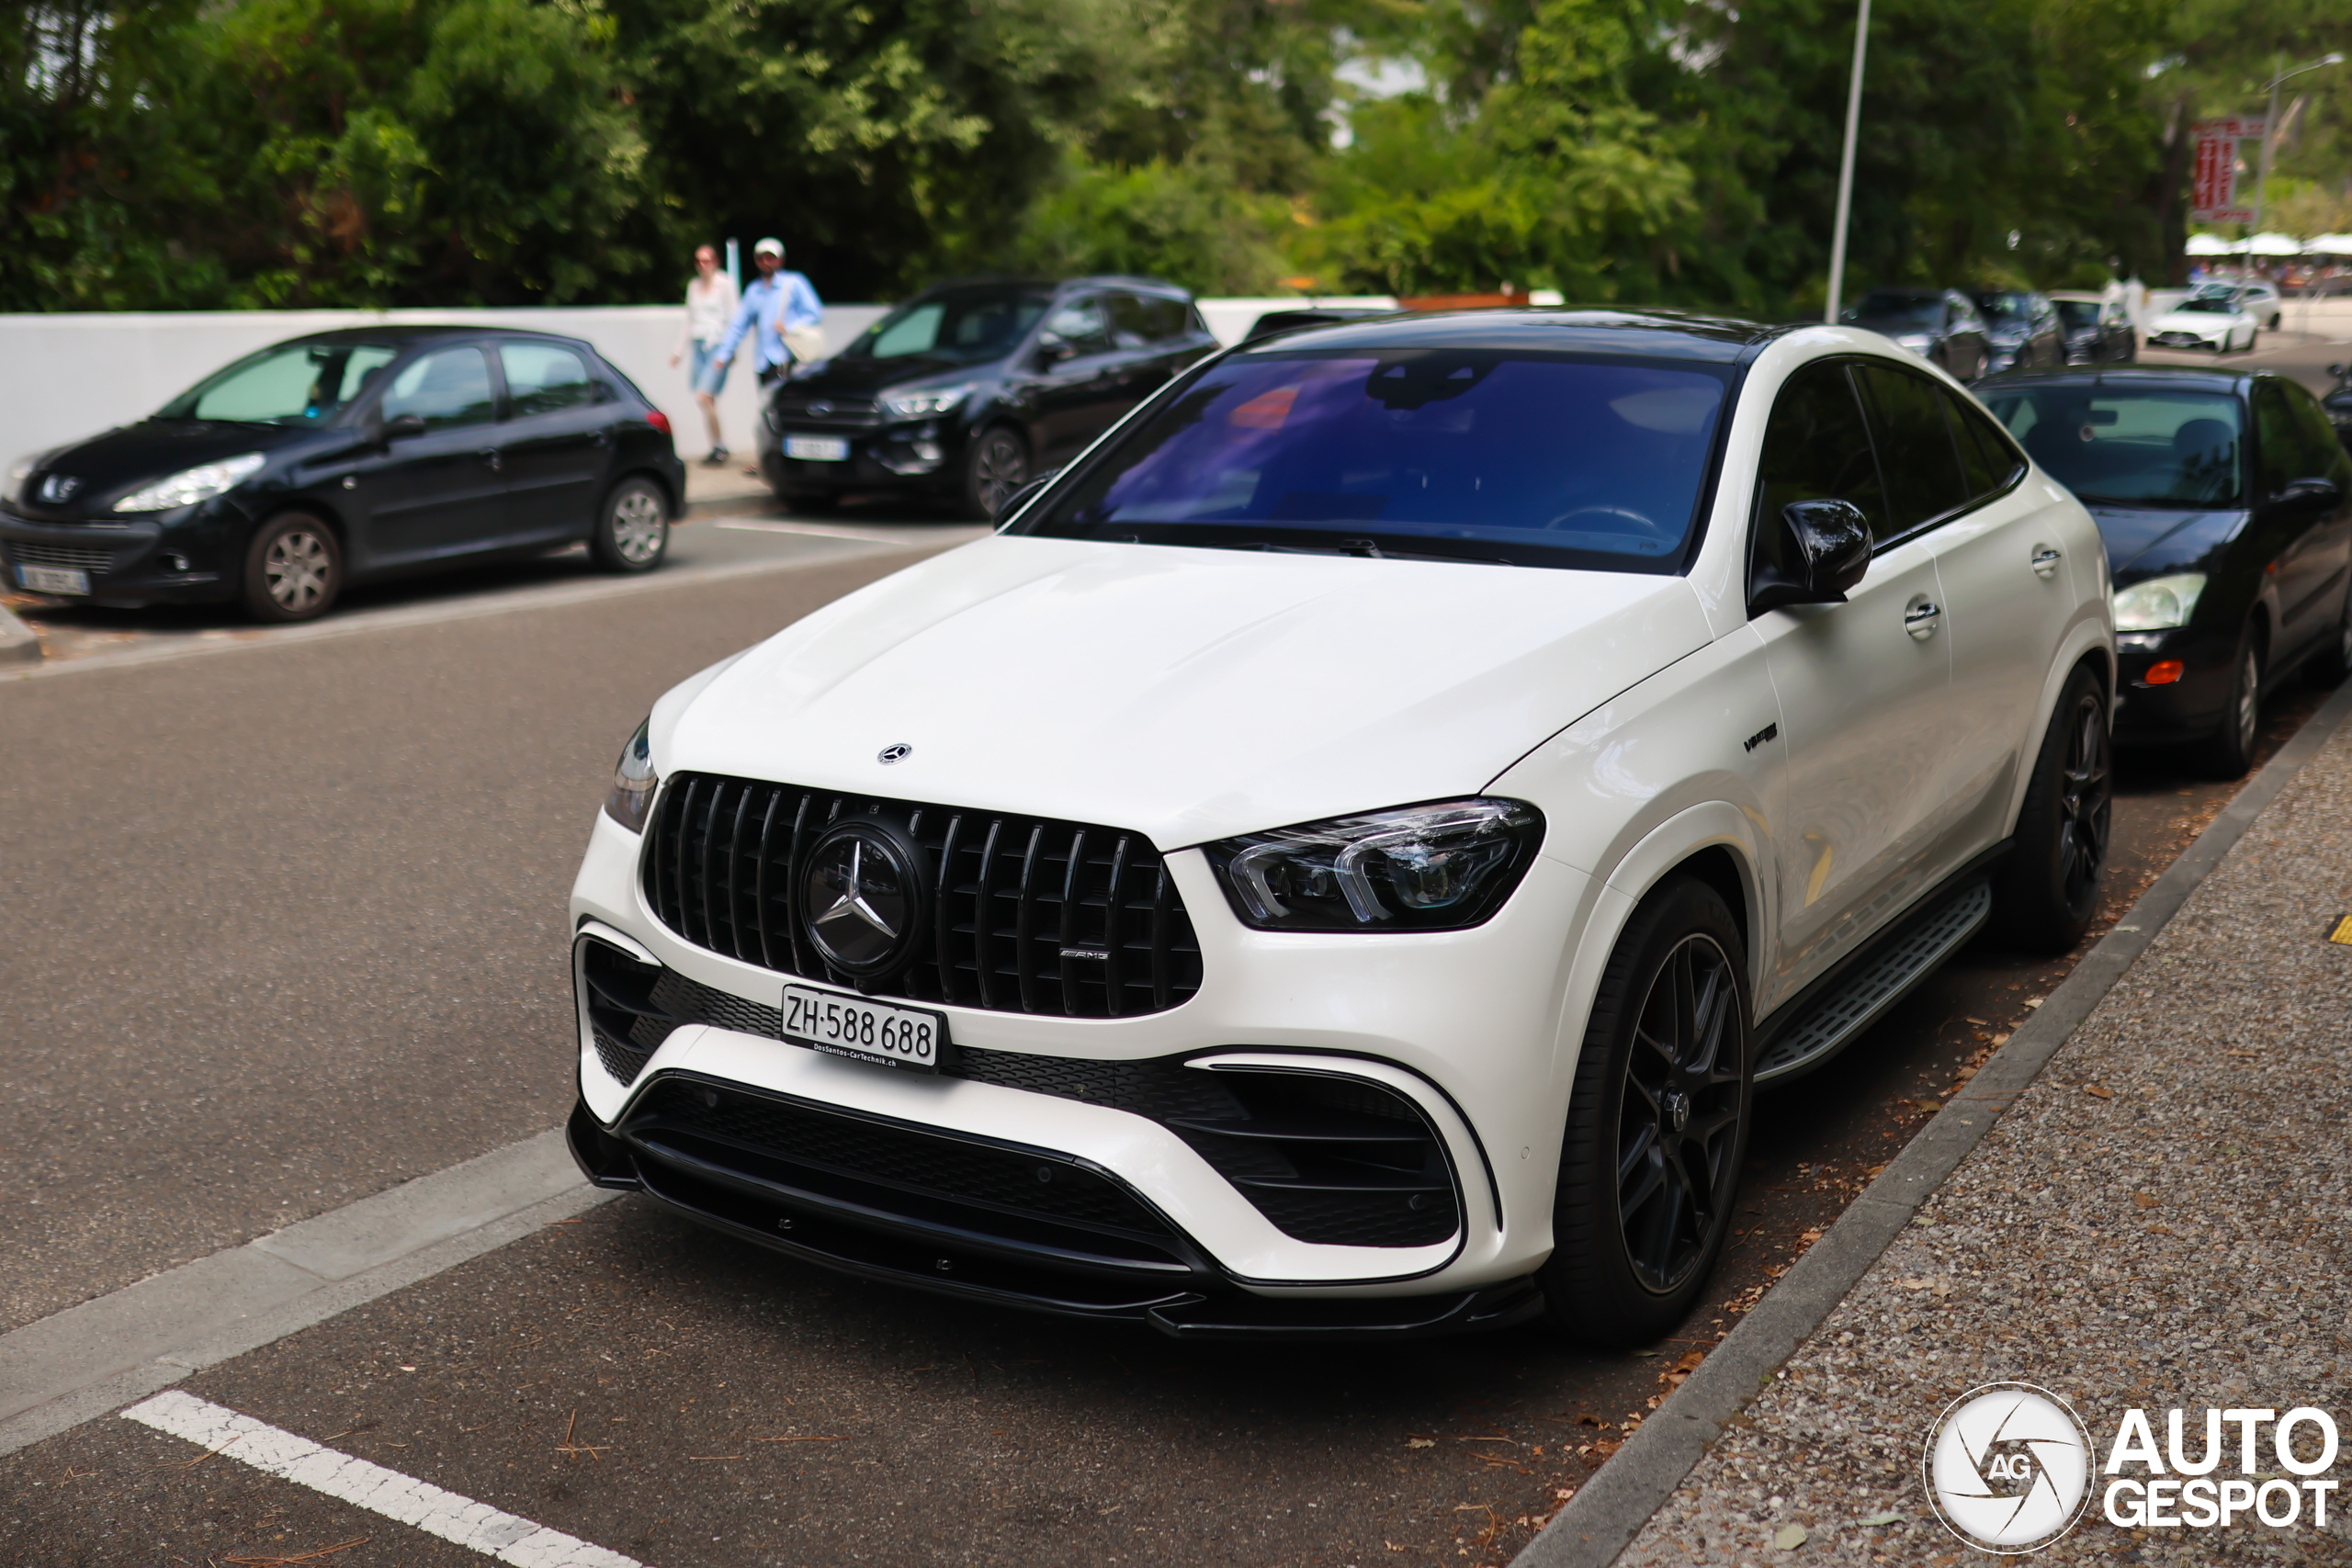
633,532
2231,751
2048,889
997,465
1657,1124
293,570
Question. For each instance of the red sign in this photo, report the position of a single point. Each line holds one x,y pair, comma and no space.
2228,162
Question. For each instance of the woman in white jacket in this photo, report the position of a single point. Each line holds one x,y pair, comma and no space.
711,301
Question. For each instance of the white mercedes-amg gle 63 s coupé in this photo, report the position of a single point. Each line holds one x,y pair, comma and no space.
1340,858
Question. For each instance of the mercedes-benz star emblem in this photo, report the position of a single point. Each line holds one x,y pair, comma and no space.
861,897
898,753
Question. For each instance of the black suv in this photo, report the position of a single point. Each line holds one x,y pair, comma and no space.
971,389
366,453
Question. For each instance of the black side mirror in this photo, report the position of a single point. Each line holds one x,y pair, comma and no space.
403,427
1826,544
2316,493
1052,349
2336,371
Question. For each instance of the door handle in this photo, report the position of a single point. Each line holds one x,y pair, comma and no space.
2045,561
1921,620
491,456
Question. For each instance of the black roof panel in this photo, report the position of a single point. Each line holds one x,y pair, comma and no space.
1666,334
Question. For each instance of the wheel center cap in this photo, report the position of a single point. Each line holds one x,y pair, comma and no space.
1678,1111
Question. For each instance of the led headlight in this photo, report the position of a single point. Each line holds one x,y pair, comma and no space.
631,801
187,488
924,401
2158,604
1436,867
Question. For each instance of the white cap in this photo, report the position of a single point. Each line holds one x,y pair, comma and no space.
769,245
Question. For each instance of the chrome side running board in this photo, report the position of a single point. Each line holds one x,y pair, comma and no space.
1833,1022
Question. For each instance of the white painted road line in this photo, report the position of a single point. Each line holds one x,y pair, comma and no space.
74,1365
477,1527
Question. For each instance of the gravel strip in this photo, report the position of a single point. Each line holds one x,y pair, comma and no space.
2158,1222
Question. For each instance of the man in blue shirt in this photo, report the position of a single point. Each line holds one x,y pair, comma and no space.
781,311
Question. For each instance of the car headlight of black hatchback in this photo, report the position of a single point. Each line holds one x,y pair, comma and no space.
1436,867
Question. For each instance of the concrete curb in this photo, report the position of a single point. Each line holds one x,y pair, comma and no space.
17,642
1605,1514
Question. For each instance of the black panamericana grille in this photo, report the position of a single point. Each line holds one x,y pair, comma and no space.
60,556
1030,915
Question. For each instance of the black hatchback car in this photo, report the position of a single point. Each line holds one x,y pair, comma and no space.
345,456
2225,502
1939,326
969,389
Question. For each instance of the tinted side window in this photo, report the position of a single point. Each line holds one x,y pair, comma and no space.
1915,448
449,386
542,377
2277,440
1079,323
1130,321
1816,449
1989,461
2323,456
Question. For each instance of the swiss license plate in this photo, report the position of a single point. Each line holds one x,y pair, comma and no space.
817,449
871,1031
52,580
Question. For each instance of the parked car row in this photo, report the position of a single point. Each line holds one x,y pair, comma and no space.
1982,333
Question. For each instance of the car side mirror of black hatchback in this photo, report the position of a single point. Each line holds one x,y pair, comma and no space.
2313,493
1826,548
1052,349
405,427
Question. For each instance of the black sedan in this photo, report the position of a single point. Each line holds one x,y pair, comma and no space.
1939,326
2096,330
2023,327
968,390
2225,502
345,457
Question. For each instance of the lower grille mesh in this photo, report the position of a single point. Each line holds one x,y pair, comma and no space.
61,554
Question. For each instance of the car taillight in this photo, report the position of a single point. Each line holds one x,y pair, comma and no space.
658,420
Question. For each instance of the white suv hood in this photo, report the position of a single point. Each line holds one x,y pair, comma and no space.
1186,694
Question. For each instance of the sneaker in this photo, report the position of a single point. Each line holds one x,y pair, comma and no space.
718,456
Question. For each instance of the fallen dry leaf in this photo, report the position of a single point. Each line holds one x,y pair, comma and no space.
2145,1199
1421,1442
2099,1091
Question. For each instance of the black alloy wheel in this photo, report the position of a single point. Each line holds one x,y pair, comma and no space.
2048,889
293,570
997,465
1658,1125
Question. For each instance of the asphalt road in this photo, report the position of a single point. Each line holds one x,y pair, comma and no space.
284,927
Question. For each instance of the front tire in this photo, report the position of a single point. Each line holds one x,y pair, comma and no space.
2049,890
996,466
2231,751
293,570
633,530
1657,1124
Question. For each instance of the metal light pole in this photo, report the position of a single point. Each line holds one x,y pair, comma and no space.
1846,167
2270,127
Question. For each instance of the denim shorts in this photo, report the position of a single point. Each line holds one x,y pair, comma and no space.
708,376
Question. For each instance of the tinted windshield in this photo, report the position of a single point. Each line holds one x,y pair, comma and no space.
1923,312
967,325
2130,446
2007,310
2080,315
1466,453
295,383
